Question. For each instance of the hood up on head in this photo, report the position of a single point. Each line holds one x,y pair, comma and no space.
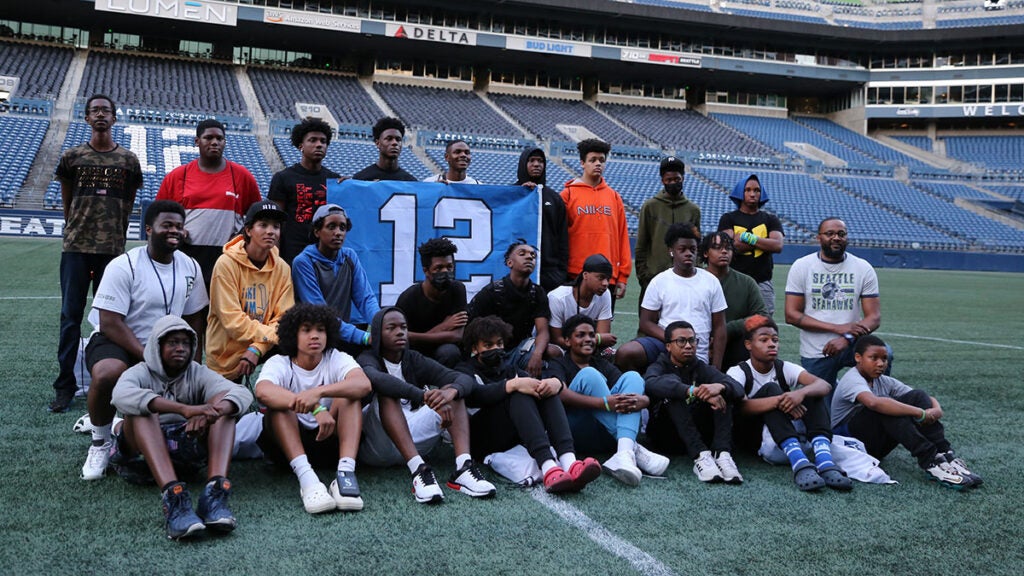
375,329
737,191
521,176
163,327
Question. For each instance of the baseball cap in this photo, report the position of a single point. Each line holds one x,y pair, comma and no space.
322,213
671,164
597,263
264,209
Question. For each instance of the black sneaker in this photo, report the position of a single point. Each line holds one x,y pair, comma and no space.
181,520
61,402
213,505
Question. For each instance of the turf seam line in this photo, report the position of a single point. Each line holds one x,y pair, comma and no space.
936,339
641,561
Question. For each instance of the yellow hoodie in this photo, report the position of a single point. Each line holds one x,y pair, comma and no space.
246,303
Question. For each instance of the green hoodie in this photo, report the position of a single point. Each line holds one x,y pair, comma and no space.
656,215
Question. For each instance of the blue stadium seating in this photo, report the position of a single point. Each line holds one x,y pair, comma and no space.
686,130
1005,153
161,83
775,132
541,115
922,142
41,68
872,148
346,157
776,15
445,110
279,90
19,142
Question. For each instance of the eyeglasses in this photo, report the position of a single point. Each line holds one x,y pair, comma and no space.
100,110
692,341
834,234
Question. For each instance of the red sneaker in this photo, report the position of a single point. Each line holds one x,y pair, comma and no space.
584,472
556,480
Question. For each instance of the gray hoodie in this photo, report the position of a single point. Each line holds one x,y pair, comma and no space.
196,385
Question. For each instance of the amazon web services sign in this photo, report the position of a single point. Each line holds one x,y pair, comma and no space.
188,10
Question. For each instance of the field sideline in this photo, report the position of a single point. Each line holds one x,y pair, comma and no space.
955,334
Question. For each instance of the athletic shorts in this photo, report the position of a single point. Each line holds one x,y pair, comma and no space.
102,348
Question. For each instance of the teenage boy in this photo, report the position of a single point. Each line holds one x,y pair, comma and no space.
388,134
692,400
756,235
777,393
659,212
883,412
415,400
603,404
313,395
178,411
98,181
435,308
741,294
301,188
597,218
683,292
327,272
457,156
215,192
523,305
588,295
138,288
250,291
554,232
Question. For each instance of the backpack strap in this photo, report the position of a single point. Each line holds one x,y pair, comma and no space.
748,385
780,375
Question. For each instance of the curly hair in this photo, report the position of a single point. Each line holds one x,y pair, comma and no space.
159,207
719,240
436,248
574,322
305,313
387,123
300,130
512,247
679,230
593,145
484,328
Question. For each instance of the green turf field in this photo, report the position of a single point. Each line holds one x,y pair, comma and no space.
956,334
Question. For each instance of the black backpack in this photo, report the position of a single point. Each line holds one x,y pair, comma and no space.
780,376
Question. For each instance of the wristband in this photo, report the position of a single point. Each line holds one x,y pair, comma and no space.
598,338
366,339
849,338
692,390
319,408
606,407
255,351
924,414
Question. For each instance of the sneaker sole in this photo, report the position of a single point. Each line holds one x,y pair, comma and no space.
435,499
191,531
624,476
471,492
349,503
951,486
92,478
222,525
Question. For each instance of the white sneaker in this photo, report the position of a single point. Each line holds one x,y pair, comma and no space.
316,499
96,462
706,469
730,473
651,463
424,486
945,474
469,480
622,467
960,467
84,424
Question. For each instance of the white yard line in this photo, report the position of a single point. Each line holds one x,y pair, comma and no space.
641,561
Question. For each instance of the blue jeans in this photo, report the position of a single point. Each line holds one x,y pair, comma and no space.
592,383
77,272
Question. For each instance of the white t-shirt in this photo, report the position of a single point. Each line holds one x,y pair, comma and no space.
790,370
693,299
832,293
333,368
844,401
563,306
441,178
144,291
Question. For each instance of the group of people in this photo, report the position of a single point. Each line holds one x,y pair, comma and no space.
251,310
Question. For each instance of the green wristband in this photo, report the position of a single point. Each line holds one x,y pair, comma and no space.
320,408
924,414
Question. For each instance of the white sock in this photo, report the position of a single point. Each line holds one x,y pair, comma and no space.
566,460
414,463
547,465
101,434
304,472
461,460
346,464
627,445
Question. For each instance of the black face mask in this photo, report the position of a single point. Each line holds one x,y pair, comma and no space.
674,189
492,357
442,280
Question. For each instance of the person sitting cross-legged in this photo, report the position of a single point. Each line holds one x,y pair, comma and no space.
313,395
594,391
178,412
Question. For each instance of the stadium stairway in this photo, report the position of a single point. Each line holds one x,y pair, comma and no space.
508,117
367,84
261,126
647,141
930,158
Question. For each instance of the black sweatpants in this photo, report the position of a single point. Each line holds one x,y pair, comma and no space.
537,424
747,430
677,426
881,433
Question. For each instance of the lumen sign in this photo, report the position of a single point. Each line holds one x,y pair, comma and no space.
188,10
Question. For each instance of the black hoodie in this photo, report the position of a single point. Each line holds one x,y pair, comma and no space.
418,371
554,228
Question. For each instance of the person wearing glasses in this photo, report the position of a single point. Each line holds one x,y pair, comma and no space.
328,273
683,292
692,401
832,297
